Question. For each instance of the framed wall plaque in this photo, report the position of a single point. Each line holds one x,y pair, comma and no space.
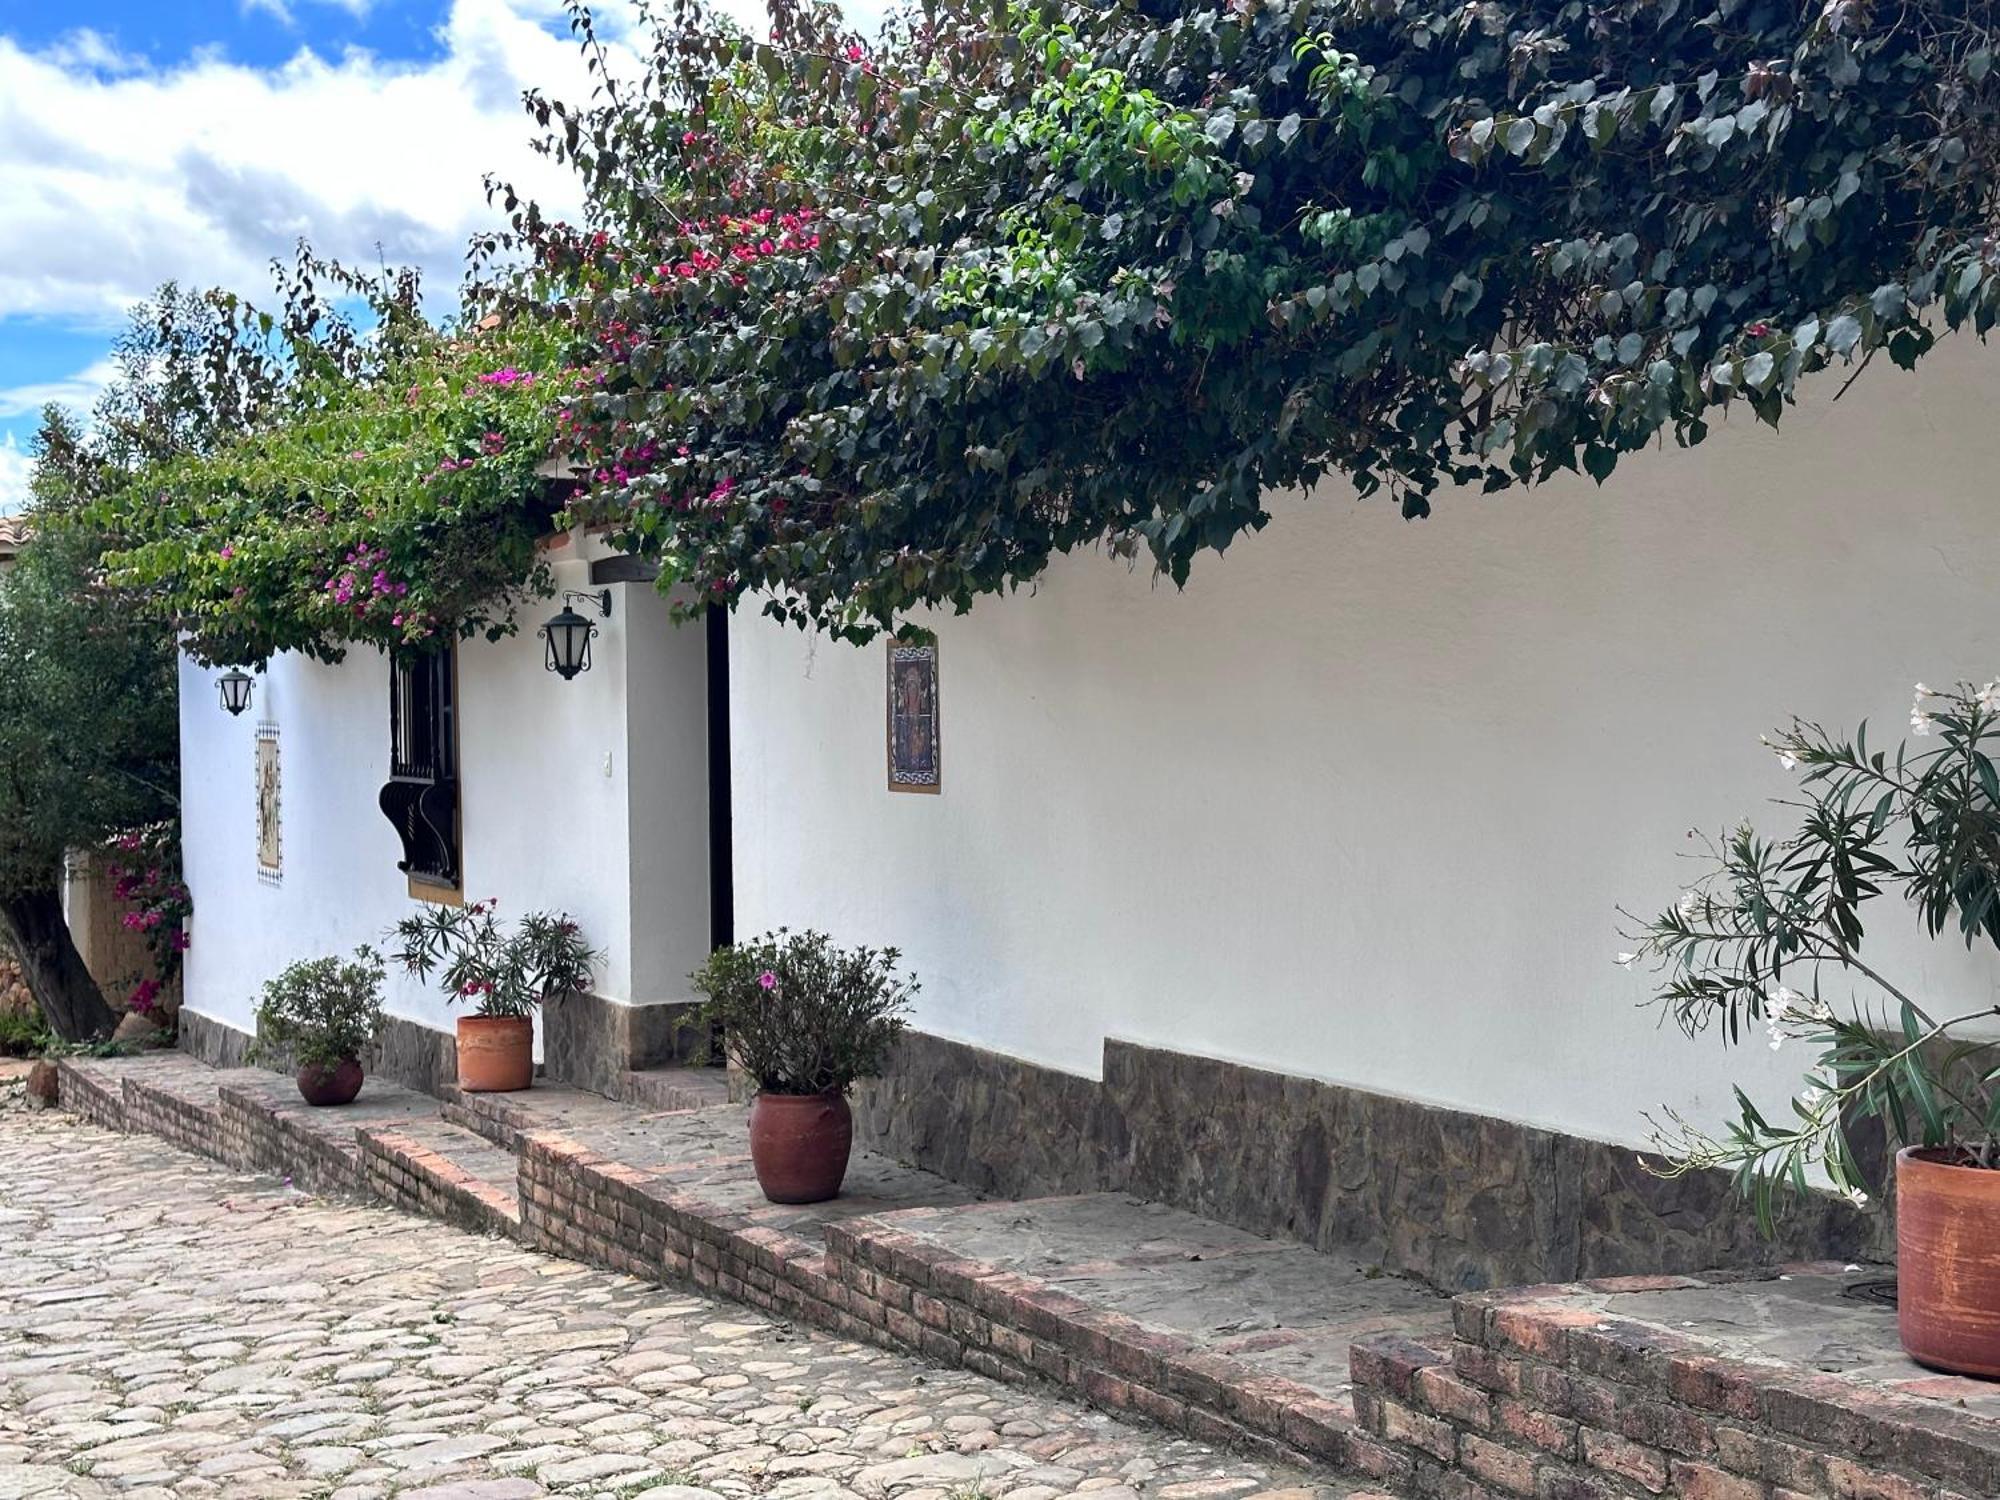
914,764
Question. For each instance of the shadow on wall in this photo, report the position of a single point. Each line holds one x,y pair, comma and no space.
1465,1201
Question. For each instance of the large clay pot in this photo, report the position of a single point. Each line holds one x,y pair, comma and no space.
799,1144
1948,1262
319,1084
496,1054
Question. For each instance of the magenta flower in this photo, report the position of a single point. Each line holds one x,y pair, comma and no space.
768,980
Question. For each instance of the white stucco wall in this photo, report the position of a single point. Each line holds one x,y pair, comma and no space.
565,805
1360,803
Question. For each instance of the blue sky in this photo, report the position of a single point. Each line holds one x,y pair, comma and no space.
142,140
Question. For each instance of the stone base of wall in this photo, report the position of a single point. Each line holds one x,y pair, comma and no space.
214,1042
593,1042
1551,1394
1465,1201
408,1053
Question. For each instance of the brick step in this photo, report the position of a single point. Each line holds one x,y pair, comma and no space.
673,1089
268,1127
443,1171
1719,1387
1212,1330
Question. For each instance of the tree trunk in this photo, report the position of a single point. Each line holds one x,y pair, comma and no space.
57,978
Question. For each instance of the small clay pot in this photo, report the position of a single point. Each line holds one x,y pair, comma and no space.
319,1084
1948,1262
799,1144
496,1054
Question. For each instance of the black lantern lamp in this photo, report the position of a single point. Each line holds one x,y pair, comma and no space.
568,634
235,685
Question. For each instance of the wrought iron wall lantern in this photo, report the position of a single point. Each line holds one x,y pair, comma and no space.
568,634
235,686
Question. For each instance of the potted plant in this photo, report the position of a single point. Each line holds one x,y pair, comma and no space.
1773,934
504,975
804,1019
323,1014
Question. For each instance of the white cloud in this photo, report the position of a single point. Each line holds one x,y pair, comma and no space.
286,16
79,392
90,50
115,177
14,467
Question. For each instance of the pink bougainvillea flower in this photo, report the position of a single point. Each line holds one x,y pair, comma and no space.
767,980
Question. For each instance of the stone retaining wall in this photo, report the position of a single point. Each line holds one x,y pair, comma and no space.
1534,1399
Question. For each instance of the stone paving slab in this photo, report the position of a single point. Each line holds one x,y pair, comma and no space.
559,1107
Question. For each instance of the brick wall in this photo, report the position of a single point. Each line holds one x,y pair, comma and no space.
1560,1403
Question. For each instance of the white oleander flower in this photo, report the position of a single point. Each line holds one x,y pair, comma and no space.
1989,698
1689,906
1626,960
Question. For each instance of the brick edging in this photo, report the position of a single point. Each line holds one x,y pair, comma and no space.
1536,1396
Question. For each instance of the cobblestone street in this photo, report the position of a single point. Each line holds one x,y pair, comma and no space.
168,1328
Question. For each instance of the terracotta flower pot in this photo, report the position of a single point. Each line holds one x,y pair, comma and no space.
319,1084
1948,1262
799,1144
496,1054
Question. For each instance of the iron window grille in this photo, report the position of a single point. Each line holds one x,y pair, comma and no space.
420,798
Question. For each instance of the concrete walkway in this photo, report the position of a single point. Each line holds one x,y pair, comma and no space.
171,1328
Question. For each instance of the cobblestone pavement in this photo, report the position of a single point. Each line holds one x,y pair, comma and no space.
168,1328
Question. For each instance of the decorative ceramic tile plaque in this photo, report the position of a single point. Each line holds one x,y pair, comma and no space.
913,718
270,842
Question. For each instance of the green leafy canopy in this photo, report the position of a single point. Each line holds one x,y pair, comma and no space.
873,328
883,327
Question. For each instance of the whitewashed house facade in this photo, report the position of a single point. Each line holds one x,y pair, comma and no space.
1290,897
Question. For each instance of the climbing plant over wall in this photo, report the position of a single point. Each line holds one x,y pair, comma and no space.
884,326
399,506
